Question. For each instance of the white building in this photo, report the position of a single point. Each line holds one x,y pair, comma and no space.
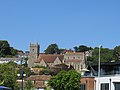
107,83
109,76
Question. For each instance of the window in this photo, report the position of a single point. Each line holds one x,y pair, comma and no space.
105,86
117,85
32,50
83,87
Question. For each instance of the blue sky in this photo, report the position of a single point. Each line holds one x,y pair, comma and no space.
68,23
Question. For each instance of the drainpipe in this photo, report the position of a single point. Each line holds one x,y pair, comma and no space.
110,83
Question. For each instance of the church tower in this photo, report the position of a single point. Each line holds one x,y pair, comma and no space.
34,53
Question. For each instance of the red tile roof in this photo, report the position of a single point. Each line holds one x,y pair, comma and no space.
39,84
39,77
49,58
39,80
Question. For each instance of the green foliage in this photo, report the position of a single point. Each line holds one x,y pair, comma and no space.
8,75
13,51
65,80
106,55
6,50
52,49
29,85
45,72
82,48
26,70
116,53
55,70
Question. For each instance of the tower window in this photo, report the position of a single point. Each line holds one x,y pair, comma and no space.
32,50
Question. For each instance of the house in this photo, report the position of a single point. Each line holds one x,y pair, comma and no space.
40,81
109,78
76,59
6,60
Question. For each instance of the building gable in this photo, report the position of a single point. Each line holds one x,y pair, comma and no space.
42,63
57,61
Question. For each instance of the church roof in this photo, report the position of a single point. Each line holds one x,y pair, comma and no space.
49,58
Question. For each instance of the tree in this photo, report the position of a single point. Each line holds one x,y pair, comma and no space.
26,70
8,75
116,52
52,49
66,80
56,69
75,49
82,48
13,51
29,85
106,55
6,50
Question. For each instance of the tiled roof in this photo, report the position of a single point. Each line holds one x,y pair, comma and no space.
39,77
74,53
39,84
37,61
49,58
39,80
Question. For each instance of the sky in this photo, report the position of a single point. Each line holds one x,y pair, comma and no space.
67,23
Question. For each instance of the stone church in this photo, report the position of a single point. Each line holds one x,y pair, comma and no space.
40,59
76,59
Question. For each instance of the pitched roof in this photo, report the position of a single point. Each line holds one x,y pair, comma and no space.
39,84
74,53
39,77
49,58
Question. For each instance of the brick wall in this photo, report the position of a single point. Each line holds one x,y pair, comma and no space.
89,82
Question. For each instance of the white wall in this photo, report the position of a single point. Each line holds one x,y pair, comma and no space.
106,79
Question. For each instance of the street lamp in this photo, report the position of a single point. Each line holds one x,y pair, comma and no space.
22,74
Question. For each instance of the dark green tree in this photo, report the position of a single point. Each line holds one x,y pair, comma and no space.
8,75
65,80
82,48
13,51
106,55
6,50
116,53
52,49
75,49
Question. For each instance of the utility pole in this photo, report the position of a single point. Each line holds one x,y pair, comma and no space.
99,70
